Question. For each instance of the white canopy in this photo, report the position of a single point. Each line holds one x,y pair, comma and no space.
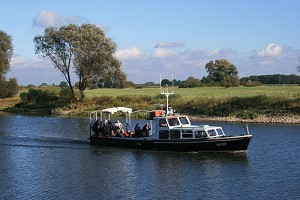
117,109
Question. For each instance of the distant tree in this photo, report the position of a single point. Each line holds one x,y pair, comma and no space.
165,82
190,82
86,47
272,79
44,84
150,83
222,72
129,84
63,84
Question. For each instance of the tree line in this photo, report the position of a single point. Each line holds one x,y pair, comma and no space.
245,81
272,79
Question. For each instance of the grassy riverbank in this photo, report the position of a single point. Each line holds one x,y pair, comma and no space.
278,104
289,91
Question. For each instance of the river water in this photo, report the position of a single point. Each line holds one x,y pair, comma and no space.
50,158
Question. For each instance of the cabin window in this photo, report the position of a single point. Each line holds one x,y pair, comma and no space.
175,134
187,134
219,131
183,120
163,134
212,132
199,134
163,123
173,121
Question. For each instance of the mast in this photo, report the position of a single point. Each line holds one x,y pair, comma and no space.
167,93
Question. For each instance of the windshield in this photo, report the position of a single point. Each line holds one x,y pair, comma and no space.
184,120
173,122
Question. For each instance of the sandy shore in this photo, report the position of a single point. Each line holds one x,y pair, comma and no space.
290,119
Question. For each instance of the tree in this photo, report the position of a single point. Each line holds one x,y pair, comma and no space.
111,76
6,51
222,72
165,82
94,56
63,84
7,88
54,45
86,47
192,82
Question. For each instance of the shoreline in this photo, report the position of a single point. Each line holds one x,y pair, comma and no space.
287,119
291,119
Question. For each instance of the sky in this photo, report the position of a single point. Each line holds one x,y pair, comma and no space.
162,37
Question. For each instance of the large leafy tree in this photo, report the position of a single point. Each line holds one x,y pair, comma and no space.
6,51
54,45
94,57
83,48
222,72
7,88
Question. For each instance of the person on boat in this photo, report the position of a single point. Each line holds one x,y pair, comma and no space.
146,129
170,110
137,131
96,127
163,123
118,124
119,132
118,128
108,128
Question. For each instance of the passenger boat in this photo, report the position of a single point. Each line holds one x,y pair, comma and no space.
165,132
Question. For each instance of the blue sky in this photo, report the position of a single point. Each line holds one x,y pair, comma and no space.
163,37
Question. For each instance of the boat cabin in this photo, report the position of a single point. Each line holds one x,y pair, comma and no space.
180,127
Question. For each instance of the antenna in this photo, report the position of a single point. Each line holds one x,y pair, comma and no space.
167,93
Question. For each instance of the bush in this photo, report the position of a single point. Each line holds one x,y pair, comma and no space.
8,88
39,97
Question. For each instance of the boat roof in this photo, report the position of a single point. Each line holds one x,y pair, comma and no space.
170,116
117,109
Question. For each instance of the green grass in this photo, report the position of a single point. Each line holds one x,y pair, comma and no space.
214,101
290,91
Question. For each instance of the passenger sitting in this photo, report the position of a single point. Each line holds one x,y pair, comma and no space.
118,124
96,128
108,128
146,129
118,129
137,131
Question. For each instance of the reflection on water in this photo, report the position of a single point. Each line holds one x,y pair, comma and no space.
50,158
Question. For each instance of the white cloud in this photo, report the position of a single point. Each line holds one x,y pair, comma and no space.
130,53
20,63
48,18
163,53
272,50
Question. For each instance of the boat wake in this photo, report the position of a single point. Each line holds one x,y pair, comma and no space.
43,142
